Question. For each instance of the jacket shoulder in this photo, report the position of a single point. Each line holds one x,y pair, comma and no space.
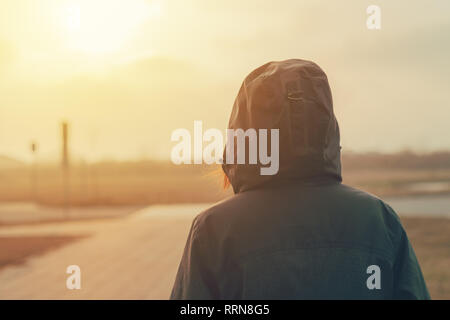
219,212
375,208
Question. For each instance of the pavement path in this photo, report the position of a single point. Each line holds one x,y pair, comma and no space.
131,257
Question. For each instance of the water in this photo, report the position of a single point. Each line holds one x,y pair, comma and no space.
429,186
411,206
27,212
421,206
408,206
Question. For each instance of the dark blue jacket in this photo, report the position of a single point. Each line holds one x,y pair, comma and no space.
300,234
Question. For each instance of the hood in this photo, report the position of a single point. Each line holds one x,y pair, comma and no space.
293,96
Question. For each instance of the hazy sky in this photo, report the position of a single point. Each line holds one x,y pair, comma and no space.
125,74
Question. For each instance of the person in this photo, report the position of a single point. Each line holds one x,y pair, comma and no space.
301,233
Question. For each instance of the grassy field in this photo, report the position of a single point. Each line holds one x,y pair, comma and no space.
147,182
431,241
137,183
16,250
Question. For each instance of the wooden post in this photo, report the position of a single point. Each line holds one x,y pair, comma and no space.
34,175
65,167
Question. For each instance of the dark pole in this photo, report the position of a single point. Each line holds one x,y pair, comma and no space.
34,175
65,166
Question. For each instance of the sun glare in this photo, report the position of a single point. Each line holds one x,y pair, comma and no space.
102,26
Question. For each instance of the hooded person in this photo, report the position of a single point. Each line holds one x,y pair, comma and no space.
299,233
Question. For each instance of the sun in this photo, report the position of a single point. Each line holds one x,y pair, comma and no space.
104,26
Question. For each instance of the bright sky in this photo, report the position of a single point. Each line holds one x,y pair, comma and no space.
125,74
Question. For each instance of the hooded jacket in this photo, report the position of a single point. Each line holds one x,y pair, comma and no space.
301,233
